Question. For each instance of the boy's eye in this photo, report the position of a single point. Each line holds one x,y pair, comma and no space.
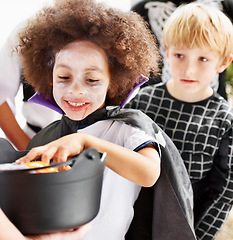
179,55
203,59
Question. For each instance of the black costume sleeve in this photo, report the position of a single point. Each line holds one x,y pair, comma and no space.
216,194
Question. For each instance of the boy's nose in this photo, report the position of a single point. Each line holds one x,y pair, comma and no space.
189,68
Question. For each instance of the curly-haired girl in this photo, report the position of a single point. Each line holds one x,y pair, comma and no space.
129,47
87,57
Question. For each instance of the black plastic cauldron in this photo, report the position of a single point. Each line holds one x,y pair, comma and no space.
49,202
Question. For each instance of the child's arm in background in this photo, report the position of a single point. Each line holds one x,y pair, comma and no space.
142,167
220,191
11,128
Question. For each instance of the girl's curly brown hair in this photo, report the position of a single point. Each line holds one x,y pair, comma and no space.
129,45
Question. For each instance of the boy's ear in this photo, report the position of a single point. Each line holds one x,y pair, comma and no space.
225,65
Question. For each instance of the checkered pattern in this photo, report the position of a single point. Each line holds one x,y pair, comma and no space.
203,134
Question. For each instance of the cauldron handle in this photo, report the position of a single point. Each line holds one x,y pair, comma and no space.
8,153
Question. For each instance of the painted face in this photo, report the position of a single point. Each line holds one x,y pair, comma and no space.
80,79
192,71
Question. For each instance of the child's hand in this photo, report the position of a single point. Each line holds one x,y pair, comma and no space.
58,150
142,167
77,234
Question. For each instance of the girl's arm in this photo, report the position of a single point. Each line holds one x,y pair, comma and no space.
142,167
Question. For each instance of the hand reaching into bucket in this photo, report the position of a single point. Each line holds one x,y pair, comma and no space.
141,167
59,150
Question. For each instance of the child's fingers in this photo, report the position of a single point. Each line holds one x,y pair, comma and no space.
48,154
44,152
31,155
62,155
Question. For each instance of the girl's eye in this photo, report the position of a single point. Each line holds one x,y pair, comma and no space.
92,80
203,59
63,77
179,55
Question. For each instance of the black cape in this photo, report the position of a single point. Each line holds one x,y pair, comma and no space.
163,211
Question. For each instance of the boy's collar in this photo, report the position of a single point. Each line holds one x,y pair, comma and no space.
50,102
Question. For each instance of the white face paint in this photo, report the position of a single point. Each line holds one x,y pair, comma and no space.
80,79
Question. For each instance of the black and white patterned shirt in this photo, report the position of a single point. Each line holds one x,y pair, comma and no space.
203,133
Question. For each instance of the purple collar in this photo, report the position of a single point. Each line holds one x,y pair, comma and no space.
50,102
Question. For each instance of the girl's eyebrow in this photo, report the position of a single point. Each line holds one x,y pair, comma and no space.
62,65
94,68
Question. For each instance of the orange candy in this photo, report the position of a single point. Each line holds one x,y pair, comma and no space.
64,168
38,164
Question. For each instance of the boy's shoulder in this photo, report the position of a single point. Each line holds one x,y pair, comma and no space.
223,109
222,103
152,88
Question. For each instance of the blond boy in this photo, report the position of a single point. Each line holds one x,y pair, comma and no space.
198,40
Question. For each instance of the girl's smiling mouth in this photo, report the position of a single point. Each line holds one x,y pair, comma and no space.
76,106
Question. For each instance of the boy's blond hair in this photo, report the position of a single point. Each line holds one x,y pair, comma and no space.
200,25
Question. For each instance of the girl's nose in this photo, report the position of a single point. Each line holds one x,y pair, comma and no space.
77,89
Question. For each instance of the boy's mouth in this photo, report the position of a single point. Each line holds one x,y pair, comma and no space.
188,81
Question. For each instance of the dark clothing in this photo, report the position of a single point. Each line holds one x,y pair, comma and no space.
168,202
203,134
